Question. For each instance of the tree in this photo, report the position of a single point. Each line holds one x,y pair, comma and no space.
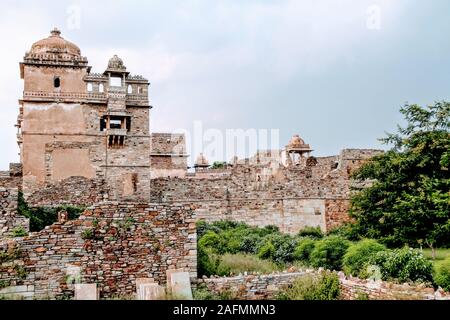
409,200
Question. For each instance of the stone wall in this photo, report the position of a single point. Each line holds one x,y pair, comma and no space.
111,244
9,219
258,287
10,184
262,191
75,191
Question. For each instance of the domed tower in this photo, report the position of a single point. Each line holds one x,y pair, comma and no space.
74,123
297,149
201,163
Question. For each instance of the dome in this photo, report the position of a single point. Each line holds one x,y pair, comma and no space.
115,64
55,44
296,141
298,145
201,161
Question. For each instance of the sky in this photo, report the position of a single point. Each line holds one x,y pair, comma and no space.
334,72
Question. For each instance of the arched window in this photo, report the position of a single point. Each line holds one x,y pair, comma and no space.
130,89
57,82
89,87
101,88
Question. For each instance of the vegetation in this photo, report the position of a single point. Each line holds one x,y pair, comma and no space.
359,254
403,265
315,233
442,274
304,249
11,254
19,232
218,165
409,201
329,252
310,287
45,216
240,263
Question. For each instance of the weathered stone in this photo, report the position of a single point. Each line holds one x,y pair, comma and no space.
86,292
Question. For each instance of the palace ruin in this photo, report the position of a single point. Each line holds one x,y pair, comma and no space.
85,139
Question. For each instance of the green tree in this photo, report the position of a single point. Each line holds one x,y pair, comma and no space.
409,199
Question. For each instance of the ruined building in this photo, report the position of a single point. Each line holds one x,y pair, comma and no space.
85,140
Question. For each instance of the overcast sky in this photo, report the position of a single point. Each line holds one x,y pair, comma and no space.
335,72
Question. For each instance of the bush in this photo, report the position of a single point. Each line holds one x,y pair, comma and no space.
284,249
267,251
329,252
312,287
348,231
44,216
359,254
19,232
206,262
442,276
212,241
304,249
250,243
403,265
312,232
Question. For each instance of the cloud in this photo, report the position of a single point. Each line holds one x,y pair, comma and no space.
311,67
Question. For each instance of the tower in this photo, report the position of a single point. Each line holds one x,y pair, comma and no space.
74,123
297,149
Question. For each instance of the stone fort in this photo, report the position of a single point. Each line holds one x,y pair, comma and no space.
85,140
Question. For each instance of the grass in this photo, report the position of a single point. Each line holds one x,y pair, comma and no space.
240,263
441,254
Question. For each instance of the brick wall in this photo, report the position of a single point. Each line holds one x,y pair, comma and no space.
125,242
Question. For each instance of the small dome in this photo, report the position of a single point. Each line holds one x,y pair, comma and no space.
201,161
55,44
116,64
296,141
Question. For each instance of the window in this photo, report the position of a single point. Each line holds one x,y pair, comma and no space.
101,88
115,124
102,124
128,124
89,87
116,142
130,89
140,90
115,82
57,82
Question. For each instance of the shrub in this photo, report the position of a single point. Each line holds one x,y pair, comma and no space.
403,265
442,276
304,249
44,216
250,243
312,232
240,263
206,262
328,253
88,234
284,248
348,231
311,287
267,251
359,254
212,241
19,232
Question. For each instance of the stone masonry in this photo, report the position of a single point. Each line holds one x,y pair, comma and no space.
111,244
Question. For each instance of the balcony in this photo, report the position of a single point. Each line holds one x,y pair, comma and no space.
88,97
116,132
